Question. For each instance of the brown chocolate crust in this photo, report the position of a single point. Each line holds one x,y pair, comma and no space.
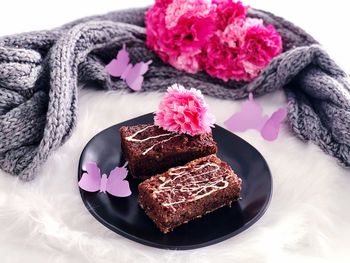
151,150
187,192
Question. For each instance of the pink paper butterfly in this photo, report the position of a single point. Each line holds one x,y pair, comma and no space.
132,75
115,184
251,117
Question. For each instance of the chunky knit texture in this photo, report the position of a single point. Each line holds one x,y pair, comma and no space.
40,72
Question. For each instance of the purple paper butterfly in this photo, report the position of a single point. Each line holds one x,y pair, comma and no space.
132,75
92,181
251,117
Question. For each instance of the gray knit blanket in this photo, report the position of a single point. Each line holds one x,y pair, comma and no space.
40,72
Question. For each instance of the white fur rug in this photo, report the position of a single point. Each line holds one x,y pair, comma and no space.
307,221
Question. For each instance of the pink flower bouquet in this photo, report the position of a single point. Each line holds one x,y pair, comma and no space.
215,36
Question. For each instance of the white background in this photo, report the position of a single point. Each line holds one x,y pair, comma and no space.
307,221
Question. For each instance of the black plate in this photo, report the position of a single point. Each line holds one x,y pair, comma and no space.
125,217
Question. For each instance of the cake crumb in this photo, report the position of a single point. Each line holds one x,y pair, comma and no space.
162,178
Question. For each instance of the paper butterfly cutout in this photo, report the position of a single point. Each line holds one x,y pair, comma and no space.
251,117
132,75
92,181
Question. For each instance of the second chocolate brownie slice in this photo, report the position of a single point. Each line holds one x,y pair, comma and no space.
151,150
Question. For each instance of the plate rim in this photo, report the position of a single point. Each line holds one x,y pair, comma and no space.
145,242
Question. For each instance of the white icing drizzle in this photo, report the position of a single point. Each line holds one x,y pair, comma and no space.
187,187
131,138
163,141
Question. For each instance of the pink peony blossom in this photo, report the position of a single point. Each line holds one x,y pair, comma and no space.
184,111
211,35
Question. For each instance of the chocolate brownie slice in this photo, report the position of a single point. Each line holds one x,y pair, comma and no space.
186,192
150,150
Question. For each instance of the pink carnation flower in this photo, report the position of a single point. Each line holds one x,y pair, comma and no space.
228,12
163,3
261,44
155,27
221,61
184,111
179,8
191,34
178,32
244,50
188,62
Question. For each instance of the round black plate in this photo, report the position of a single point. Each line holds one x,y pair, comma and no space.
125,217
